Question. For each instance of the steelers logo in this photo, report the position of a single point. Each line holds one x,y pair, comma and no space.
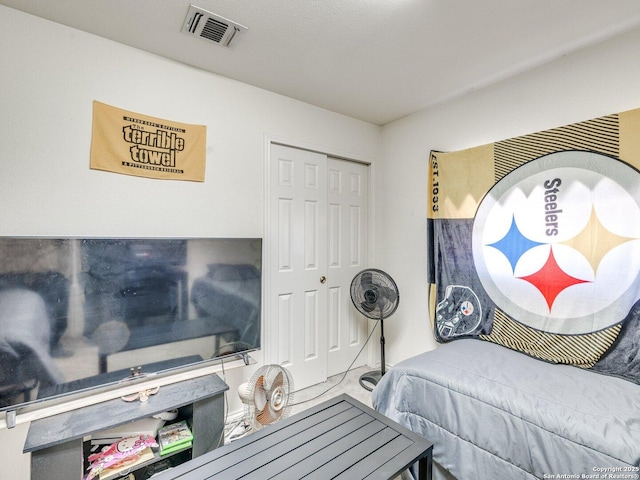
556,243
466,308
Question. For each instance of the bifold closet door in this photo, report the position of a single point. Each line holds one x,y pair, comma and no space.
316,244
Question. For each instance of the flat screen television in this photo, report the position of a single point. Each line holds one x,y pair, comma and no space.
81,313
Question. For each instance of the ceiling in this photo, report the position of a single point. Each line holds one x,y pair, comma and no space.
375,60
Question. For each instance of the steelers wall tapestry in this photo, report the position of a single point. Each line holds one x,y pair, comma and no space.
136,144
535,244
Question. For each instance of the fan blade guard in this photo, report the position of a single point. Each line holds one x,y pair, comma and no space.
270,393
260,394
374,290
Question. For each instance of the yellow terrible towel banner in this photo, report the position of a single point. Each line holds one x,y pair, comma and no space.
136,144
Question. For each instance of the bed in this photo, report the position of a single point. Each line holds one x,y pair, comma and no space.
534,296
495,413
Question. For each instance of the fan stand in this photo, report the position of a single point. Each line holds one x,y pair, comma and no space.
370,379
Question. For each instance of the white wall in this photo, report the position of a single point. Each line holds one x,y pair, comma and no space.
49,76
601,80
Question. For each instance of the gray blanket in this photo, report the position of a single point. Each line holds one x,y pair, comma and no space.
496,413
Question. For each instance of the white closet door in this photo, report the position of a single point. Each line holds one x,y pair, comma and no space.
348,195
296,326
317,242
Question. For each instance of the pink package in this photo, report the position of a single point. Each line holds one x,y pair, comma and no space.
124,450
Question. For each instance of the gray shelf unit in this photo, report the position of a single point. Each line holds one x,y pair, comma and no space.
56,443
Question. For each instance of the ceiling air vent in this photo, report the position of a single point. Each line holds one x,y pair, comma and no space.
211,27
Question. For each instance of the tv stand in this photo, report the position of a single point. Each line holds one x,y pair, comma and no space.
56,443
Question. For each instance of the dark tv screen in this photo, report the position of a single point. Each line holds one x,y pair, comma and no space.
82,313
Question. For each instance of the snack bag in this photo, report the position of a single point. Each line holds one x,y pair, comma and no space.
124,450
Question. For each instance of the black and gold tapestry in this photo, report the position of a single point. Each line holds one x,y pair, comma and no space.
535,244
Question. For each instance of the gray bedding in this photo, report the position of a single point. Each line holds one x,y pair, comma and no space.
494,413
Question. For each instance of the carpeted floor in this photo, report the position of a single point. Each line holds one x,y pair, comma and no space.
311,396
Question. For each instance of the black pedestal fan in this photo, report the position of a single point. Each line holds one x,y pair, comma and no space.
376,296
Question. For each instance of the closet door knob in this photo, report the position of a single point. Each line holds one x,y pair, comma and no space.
323,279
